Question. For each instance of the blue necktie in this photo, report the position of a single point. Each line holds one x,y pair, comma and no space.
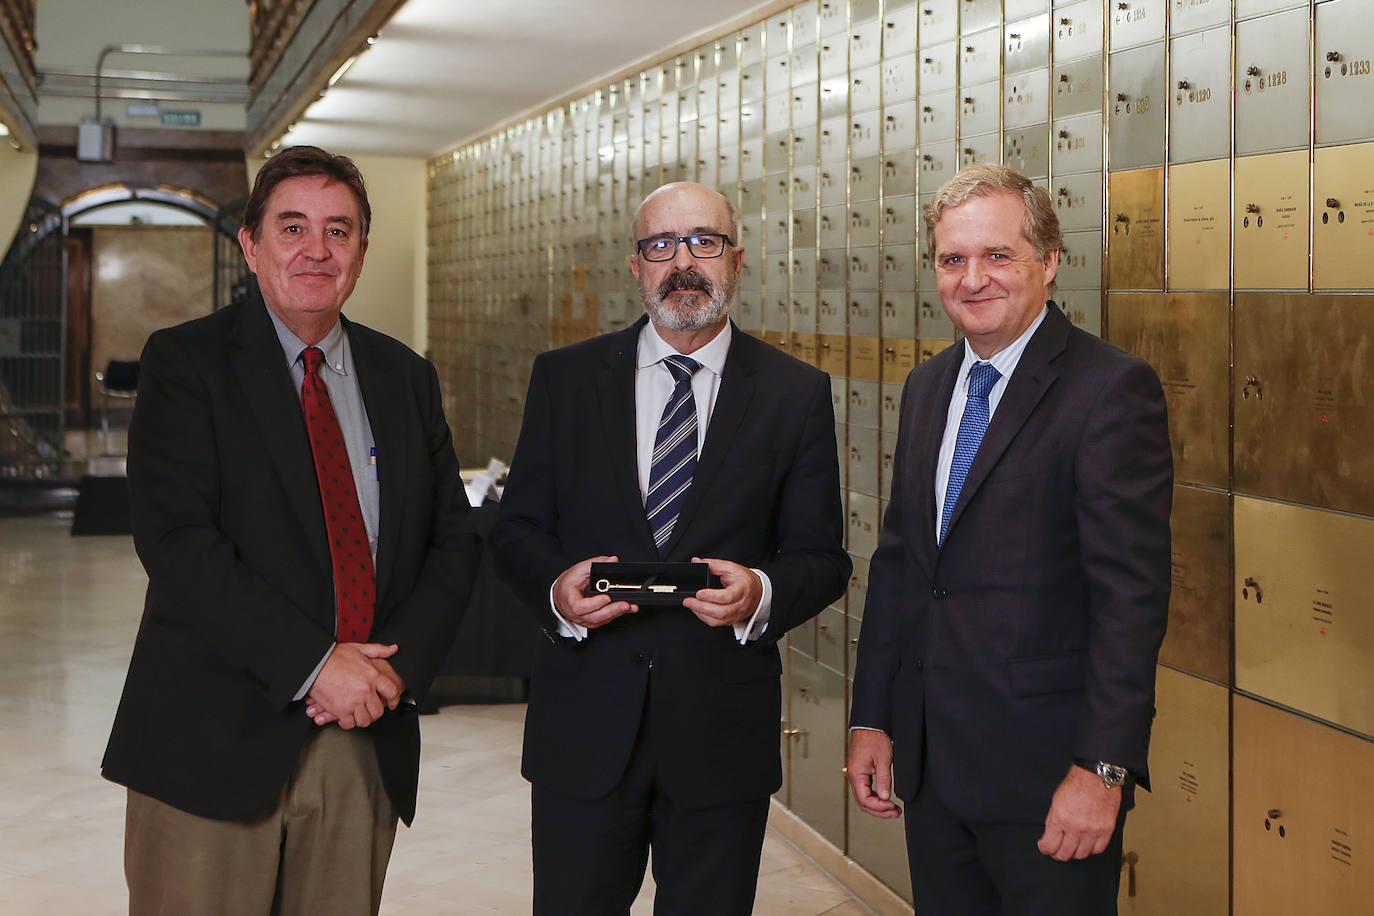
675,452
972,426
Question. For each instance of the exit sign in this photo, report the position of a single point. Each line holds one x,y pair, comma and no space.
185,118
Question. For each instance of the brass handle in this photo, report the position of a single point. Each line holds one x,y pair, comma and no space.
1333,56
1332,203
1063,135
1252,71
1183,84
1251,208
1121,97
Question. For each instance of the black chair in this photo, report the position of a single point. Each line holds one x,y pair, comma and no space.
118,380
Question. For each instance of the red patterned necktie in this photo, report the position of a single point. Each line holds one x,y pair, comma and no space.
354,579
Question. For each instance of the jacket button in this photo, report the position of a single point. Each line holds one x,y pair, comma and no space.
920,665
938,592
640,658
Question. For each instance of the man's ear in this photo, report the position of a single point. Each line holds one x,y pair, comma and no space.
250,248
1051,266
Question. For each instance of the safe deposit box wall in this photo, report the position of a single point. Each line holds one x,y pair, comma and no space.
1213,167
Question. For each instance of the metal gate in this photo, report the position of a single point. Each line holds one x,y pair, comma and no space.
233,281
33,326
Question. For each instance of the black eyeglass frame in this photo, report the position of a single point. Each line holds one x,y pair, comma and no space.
642,245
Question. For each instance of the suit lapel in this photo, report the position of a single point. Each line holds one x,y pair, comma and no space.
616,390
262,372
383,389
1029,382
732,403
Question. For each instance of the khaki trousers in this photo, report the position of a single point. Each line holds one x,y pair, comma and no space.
323,850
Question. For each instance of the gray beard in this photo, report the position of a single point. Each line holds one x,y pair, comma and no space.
687,317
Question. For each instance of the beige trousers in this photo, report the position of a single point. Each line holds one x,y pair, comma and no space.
323,850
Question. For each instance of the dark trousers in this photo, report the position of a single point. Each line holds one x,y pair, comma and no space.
589,855
991,869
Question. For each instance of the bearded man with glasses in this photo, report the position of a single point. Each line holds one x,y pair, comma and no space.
680,438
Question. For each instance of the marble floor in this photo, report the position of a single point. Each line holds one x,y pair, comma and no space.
69,608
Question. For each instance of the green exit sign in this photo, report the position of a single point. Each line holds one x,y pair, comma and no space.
185,118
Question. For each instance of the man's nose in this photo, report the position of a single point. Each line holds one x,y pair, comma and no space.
316,247
683,258
975,278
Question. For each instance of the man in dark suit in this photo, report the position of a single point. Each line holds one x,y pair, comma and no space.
1019,593
297,506
679,438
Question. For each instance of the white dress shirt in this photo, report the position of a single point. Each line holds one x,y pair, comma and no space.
654,385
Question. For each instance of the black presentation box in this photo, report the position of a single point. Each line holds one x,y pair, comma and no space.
651,584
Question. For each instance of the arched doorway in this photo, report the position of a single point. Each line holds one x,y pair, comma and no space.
84,283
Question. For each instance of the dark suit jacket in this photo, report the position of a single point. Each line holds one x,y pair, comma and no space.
766,495
240,607
1030,637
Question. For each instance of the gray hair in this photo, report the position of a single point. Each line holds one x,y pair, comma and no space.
1040,225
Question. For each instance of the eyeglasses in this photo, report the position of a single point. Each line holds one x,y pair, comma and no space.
701,245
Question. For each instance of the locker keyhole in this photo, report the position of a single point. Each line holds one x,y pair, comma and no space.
1128,862
1273,815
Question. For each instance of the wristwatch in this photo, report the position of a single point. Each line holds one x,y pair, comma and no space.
1112,776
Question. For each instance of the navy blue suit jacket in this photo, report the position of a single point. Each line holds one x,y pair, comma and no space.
1030,637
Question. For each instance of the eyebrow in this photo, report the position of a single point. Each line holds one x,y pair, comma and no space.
991,249
296,214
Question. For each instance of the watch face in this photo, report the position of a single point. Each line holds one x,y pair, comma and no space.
1112,776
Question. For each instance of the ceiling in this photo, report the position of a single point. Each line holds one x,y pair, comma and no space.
444,72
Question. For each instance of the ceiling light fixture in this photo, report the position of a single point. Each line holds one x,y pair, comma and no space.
339,73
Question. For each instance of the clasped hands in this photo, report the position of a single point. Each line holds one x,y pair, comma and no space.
733,603
355,686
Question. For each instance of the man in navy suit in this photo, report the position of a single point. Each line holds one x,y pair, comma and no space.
1019,593
679,438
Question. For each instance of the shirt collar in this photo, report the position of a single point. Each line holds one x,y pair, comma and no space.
333,345
652,349
1005,360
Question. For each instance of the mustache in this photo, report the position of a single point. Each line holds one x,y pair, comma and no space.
685,279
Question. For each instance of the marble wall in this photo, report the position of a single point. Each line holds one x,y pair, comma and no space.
144,278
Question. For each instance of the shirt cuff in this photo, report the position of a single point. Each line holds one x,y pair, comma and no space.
753,629
566,627
310,681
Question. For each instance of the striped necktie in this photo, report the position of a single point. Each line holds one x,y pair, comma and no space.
675,452
972,425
